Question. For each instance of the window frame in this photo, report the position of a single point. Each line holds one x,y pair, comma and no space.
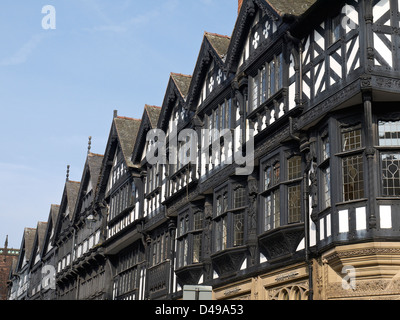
188,229
225,220
261,81
277,192
386,149
355,153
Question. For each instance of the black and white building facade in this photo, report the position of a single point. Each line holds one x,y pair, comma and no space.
313,85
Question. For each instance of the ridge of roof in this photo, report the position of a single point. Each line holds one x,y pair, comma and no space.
181,75
127,118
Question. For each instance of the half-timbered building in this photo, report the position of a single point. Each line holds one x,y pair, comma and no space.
292,189
119,206
64,240
35,263
49,257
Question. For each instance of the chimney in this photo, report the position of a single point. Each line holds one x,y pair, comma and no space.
240,5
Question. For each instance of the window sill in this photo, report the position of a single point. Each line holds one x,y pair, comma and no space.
350,152
351,202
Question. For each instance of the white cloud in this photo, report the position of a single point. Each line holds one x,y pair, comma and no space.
22,55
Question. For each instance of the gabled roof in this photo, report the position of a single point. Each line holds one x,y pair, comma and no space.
277,10
69,198
153,112
151,115
123,134
91,173
51,224
127,130
26,245
38,241
54,210
291,7
182,83
72,190
214,47
220,43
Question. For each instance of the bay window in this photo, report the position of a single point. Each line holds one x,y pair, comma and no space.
281,194
389,142
229,216
189,237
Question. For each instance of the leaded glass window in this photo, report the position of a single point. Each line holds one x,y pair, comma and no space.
391,174
353,178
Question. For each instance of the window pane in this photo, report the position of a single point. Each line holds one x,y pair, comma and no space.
196,248
326,148
239,197
353,180
264,85
276,208
294,201
219,205
326,180
272,216
389,133
267,178
255,92
225,202
351,140
294,167
272,78
224,233
277,173
238,229
198,220
268,213
391,174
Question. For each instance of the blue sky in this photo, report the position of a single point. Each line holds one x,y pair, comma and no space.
58,87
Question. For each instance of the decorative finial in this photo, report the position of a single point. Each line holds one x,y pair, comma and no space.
68,166
6,243
89,144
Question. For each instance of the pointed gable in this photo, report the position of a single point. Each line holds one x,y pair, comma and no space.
149,121
220,43
127,130
182,83
50,229
119,149
209,72
88,183
291,7
176,94
38,243
67,206
258,21
26,247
